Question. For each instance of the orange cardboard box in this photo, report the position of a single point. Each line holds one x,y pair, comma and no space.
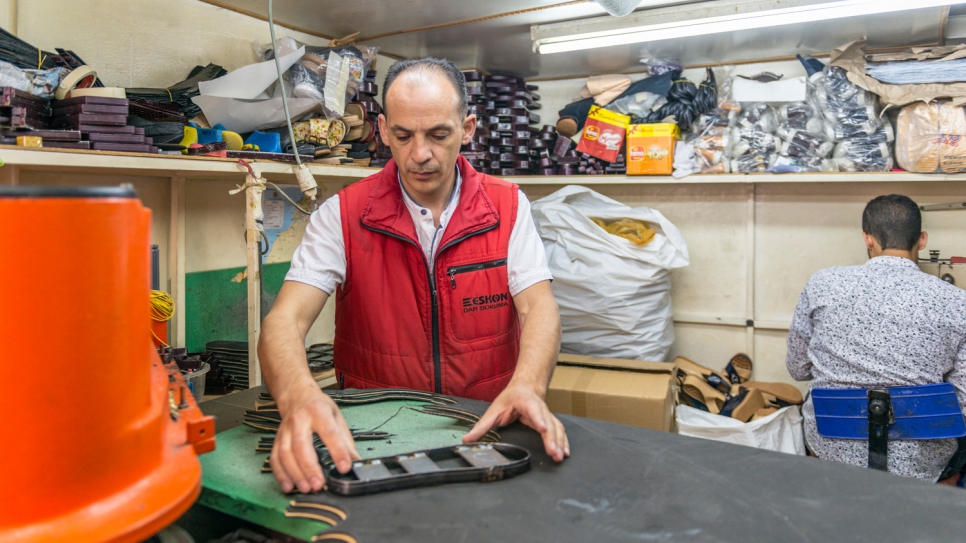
650,148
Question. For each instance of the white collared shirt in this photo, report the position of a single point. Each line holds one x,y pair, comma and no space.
320,259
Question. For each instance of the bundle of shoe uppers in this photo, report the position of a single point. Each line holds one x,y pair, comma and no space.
731,392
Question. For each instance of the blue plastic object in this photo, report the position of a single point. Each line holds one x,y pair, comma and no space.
207,135
267,142
921,412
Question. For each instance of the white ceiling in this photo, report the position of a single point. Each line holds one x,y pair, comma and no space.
502,44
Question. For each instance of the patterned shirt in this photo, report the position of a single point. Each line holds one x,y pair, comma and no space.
881,324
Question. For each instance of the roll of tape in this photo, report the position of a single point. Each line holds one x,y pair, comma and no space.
103,92
81,77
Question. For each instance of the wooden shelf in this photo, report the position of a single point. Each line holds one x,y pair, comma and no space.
67,160
735,178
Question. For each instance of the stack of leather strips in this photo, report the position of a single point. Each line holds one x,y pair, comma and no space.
102,122
309,507
731,393
503,106
232,358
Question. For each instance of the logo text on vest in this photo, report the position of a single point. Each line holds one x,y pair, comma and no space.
483,303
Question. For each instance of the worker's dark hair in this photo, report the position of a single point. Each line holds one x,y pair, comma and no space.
439,65
894,221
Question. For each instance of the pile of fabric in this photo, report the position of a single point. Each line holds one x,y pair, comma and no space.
731,392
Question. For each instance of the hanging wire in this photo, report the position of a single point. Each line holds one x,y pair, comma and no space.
281,82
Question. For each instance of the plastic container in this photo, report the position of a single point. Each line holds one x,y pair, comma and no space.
196,381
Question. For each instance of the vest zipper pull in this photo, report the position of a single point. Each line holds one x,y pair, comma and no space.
452,279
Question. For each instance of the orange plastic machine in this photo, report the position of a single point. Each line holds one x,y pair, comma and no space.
100,436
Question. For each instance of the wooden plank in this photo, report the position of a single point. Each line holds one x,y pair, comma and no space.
10,174
176,262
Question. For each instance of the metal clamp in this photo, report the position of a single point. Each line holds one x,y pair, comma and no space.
881,416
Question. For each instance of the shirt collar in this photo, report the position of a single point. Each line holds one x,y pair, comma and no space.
452,197
892,261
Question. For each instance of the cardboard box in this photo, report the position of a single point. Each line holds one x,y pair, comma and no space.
630,392
650,148
603,134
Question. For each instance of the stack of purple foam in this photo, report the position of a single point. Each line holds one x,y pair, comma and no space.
503,105
102,123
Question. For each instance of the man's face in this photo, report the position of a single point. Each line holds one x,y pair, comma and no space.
425,129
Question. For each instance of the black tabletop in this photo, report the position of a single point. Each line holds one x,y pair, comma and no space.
623,483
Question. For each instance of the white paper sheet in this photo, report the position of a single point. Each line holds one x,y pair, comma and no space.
250,81
247,115
783,90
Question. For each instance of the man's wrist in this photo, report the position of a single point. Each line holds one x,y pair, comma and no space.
536,386
294,396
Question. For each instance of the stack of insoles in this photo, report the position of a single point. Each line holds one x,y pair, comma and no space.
102,123
503,106
232,358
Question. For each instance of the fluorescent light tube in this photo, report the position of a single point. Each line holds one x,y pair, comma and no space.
730,23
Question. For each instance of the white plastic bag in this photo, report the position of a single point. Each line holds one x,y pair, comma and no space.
614,296
781,431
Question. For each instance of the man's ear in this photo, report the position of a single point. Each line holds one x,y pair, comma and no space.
923,240
869,241
469,128
383,126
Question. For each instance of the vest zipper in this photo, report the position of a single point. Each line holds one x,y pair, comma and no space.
453,271
437,357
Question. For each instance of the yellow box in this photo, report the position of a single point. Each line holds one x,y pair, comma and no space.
29,141
650,148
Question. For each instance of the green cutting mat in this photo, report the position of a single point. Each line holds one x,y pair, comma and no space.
234,484
216,308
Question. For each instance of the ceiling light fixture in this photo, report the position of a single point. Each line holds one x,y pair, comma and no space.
581,39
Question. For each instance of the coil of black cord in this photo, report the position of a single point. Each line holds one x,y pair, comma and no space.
706,97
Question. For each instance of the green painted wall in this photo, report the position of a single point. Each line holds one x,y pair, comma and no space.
216,308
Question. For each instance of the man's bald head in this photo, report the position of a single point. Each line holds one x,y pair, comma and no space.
428,66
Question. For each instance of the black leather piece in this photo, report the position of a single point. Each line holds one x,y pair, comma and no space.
510,461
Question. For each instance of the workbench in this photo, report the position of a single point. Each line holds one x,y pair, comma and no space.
621,484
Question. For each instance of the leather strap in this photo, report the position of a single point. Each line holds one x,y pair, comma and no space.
880,417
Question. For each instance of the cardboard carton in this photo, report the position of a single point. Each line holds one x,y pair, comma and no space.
630,392
650,148
603,134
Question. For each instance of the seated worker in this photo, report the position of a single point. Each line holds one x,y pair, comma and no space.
882,324
441,281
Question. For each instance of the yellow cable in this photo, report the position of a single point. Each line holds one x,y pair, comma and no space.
162,309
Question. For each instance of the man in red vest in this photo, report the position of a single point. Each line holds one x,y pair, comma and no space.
441,282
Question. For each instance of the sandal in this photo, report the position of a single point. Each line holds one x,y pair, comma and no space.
698,390
739,368
781,394
714,378
745,405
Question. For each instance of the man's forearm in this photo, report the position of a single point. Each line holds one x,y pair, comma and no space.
539,346
281,346
285,369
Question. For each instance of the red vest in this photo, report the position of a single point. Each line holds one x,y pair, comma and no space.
457,333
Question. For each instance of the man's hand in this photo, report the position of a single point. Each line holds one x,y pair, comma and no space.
294,461
522,402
